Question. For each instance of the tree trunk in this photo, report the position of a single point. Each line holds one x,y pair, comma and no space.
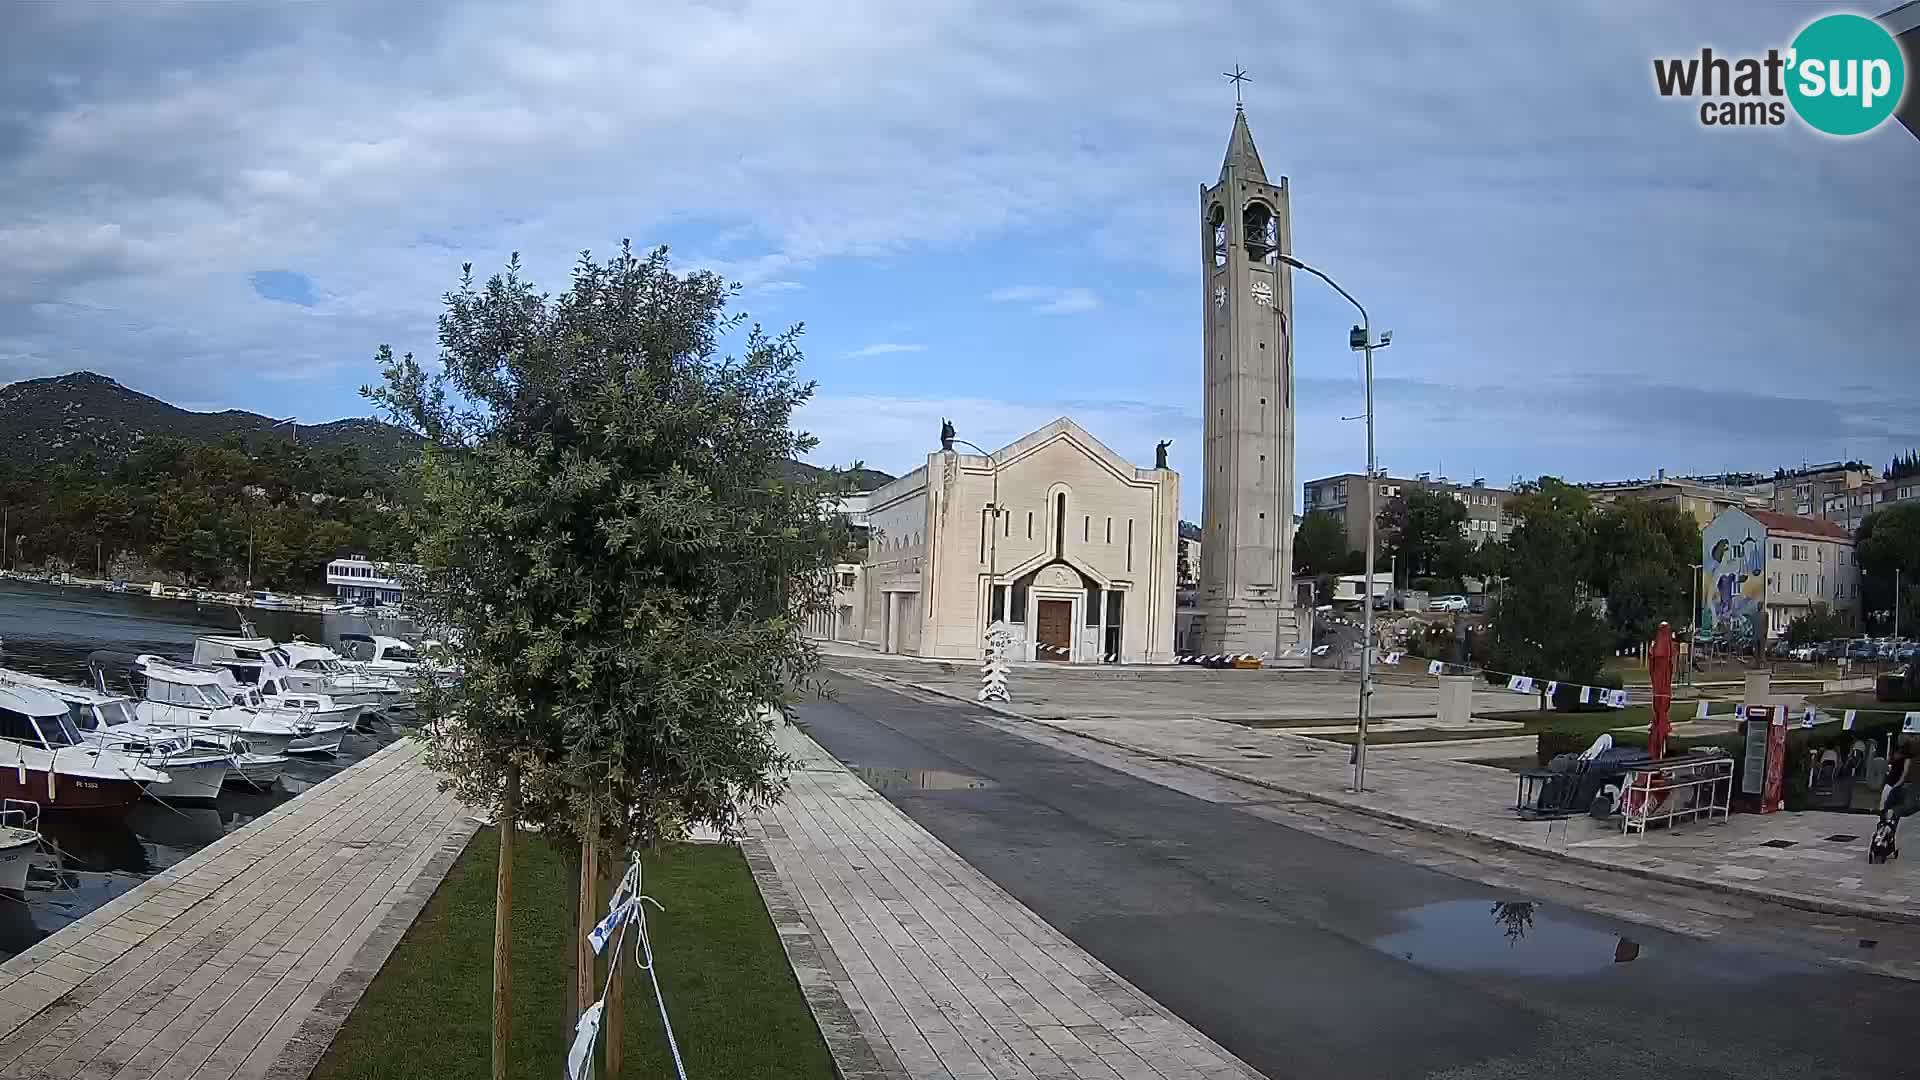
616,1004
503,926
588,989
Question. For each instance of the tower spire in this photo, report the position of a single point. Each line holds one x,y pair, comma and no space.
1241,155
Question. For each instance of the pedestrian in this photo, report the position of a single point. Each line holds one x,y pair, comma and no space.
1899,771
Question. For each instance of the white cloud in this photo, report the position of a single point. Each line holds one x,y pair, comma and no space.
1045,300
885,348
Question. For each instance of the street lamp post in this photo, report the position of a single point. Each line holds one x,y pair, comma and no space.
1361,340
993,545
1693,622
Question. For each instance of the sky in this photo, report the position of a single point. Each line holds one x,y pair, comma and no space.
985,211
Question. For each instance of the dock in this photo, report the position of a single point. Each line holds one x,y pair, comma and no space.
243,960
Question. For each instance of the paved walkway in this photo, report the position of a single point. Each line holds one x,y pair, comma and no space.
1785,858
244,959
945,976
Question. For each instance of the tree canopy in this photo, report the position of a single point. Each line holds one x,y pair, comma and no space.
1904,465
187,511
1422,531
1889,540
606,530
1543,620
1642,560
1320,545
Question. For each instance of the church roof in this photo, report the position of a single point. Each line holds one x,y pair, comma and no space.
1241,155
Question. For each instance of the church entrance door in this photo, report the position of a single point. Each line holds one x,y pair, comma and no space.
1055,631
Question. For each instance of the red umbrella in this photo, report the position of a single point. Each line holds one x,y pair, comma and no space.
1660,670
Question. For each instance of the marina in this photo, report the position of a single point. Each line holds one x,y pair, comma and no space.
224,766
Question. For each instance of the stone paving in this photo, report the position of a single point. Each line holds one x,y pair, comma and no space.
1785,858
945,976
243,960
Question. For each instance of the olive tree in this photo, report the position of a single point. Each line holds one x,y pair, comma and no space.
608,533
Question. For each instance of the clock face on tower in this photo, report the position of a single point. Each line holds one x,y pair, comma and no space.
1263,293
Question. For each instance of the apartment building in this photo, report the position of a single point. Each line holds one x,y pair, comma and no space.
1762,569
1703,497
1345,497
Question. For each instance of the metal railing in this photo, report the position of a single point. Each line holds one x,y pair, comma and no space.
1669,790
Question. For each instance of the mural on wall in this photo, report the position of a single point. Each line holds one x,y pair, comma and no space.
1734,553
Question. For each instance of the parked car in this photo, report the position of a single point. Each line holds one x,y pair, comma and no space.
1454,602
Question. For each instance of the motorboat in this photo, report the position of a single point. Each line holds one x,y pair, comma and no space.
263,599
194,771
390,657
193,698
309,667
330,721
44,759
19,842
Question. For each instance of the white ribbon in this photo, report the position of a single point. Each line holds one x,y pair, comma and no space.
1700,709
1806,718
1435,667
1846,722
580,1055
1911,724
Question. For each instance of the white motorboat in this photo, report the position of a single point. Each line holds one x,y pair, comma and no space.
330,722
43,758
303,666
108,721
19,842
388,657
257,770
193,699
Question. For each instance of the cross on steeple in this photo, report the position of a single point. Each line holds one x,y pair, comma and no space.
1237,76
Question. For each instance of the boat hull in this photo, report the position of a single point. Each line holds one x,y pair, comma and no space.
325,739
63,794
257,770
200,781
16,856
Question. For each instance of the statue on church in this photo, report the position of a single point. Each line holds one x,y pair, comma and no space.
1160,453
946,434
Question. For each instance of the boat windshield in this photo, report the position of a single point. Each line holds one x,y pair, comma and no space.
400,654
214,695
58,730
81,714
116,712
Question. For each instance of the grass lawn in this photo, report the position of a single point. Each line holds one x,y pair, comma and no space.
1588,724
735,1007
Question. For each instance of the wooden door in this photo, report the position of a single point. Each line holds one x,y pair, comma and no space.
1055,631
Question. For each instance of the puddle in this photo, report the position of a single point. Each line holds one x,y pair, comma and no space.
920,780
1504,936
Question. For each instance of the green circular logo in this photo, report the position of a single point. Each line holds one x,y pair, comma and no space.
1847,74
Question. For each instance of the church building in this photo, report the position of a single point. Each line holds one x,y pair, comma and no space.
1068,542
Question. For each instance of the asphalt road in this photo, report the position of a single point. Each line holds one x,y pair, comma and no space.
1310,958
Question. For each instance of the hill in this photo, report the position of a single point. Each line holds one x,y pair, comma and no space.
57,420
50,421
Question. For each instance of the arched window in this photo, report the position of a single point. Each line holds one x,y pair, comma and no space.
1217,223
1060,525
1262,235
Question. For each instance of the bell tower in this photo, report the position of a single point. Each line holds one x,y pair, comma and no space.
1246,553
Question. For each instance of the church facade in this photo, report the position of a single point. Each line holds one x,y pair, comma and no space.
1072,546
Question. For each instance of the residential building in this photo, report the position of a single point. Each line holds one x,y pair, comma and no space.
1345,497
1811,489
842,622
363,581
1703,497
1762,569
1081,569
1850,508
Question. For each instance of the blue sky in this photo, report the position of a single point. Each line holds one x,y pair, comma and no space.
984,211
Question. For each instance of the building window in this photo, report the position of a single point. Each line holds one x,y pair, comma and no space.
1060,525
1109,530
1129,545
1086,529
1776,551
1114,615
999,604
1019,602
1029,524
